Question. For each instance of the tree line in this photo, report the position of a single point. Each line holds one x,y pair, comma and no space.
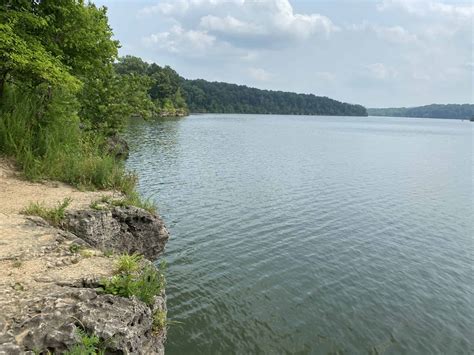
174,95
204,96
453,111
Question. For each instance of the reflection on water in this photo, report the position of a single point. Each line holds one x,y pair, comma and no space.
313,234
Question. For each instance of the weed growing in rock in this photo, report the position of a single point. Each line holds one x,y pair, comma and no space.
128,263
159,321
86,253
75,248
88,345
53,215
134,279
131,199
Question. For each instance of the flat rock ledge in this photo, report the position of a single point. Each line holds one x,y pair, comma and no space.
48,291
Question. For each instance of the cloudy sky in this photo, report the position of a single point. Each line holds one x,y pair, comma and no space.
376,53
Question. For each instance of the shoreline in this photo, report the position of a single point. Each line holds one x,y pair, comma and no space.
51,279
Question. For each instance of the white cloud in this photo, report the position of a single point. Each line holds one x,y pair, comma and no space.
429,7
380,71
230,24
394,34
179,7
246,23
259,74
179,40
325,77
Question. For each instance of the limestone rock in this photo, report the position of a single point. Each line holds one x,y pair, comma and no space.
117,147
120,229
125,325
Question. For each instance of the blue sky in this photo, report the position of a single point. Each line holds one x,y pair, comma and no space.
376,53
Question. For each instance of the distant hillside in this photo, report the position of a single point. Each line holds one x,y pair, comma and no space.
453,111
203,96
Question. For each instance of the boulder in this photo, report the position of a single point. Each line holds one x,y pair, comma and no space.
120,229
117,146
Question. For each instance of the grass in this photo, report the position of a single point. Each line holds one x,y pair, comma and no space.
50,144
159,321
135,279
132,199
53,215
128,263
75,248
87,345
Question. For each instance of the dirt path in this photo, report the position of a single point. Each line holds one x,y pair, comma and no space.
17,193
36,259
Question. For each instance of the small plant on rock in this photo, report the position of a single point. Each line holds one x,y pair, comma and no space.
88,345
159,321
135,279
53,215
128,263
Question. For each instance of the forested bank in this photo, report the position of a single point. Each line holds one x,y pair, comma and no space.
452,111
204,96
174,95
64,93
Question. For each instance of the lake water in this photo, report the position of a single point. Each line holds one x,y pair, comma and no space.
313,235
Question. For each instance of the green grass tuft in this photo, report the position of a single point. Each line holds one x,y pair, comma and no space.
128,263
87,345
53,215
134,279
160,321
132,199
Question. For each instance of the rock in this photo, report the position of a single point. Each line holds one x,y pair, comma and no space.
121,229
125,325
117,147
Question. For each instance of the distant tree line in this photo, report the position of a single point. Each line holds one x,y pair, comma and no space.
453,111
203,96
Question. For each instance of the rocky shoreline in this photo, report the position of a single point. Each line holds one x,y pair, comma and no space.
49,285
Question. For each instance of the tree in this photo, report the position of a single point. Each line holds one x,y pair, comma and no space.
24,57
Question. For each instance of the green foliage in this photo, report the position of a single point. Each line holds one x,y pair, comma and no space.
453,111
49,143
87,345
59,94
132,198
205,96
160,321
53,215
75,248
134,279
108,100
23,53
128,263
163,86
